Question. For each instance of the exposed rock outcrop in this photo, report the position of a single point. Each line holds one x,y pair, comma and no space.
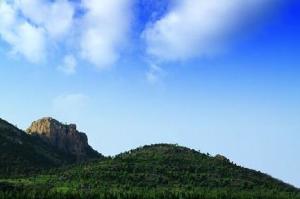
64,137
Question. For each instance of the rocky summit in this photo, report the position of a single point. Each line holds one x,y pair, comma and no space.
64,137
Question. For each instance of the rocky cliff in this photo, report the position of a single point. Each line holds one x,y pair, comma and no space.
64,137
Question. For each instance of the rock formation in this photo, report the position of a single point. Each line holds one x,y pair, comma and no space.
64,137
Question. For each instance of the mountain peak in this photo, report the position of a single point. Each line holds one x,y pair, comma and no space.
65,137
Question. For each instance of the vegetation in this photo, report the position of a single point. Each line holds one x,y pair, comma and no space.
151,172
147,194
170,166
31,168
23,154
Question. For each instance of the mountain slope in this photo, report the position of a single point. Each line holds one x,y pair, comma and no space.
166,165
152,172
21,153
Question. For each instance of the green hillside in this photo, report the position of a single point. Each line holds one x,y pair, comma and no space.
157,171
170,166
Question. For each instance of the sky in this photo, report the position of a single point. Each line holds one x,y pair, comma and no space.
219,76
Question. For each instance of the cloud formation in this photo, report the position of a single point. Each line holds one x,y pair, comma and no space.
196,28
23,37
69,65
34,28
56,17
154,73
106,24
96,31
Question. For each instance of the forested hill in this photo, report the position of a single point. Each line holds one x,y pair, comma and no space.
169,166
160,171
33,167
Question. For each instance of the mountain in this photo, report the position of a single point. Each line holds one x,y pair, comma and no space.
23,153
54,160
63,137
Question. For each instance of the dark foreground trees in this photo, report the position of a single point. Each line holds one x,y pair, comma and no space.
145,194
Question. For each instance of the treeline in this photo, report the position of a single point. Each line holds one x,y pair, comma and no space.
150,172
146,194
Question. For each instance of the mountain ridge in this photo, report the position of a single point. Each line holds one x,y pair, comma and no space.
186,158
22,153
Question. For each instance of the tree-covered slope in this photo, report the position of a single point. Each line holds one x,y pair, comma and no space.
167,166
22,154
152,172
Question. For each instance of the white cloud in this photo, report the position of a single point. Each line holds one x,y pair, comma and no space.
30,41
98,33
106,25
70,106
199,27
69,65
34,28
56,17
24,38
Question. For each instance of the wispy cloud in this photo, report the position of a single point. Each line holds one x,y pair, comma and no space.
154,74
196,28
69,65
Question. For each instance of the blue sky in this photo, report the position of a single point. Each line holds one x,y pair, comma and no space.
215,76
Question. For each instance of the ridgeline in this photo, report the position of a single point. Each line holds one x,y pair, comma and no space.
34,168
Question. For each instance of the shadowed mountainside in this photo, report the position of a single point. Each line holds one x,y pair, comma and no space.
63,137
22,153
